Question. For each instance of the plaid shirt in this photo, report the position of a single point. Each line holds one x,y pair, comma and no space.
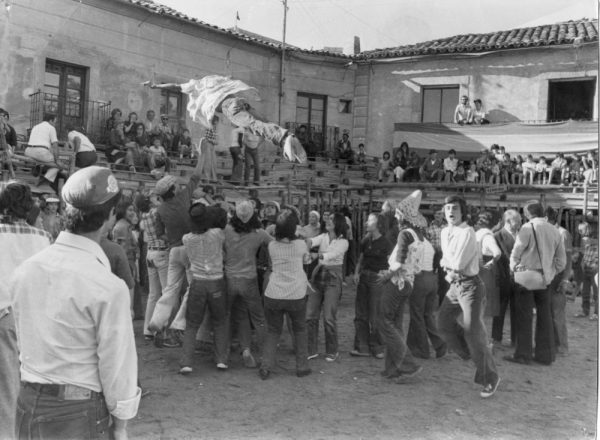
434,233
148,225
211,136
590,255
22,227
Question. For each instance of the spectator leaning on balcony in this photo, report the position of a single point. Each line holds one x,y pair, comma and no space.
479,114
463,114
85,151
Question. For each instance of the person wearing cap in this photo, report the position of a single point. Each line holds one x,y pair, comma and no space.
396,288
78,357
538,246
204,247
243,238
165,132
172,223
19,242
215,93
465,297
432,169
52,221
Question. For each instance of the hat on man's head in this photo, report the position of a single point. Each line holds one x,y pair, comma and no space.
408,210
164,184
90,186
273,203
244,210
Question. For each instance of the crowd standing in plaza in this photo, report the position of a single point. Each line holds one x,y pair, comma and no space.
218,274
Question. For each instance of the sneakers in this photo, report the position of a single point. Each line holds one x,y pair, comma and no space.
332,357
185,370
313,356
221,366
490,389
249,361
359,353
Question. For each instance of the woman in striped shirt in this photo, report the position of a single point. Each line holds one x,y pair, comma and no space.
327,280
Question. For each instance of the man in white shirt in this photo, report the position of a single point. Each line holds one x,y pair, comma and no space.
463,114
19,241
85,151
78,357
460,317
43,148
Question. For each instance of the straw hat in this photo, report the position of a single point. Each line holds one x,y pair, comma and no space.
408,210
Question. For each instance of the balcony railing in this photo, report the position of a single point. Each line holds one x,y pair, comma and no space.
324,138
91,115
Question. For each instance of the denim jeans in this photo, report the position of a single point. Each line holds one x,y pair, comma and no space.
234,109
461,325
176,272
368,295
157,263
295,310
251,154
391,314
42,416
544,329
326,297
204,294
237,166
9,375
423,325
558,305
243,297
588,290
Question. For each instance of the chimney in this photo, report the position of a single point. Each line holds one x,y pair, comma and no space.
356,45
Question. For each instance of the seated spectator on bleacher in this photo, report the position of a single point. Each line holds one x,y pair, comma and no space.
141,137
540,170
182,144
385,171
472,173
479,114
130,125
576,171
157,159
529,170
450,166
115,116
432,169
463,114
10,135
361,157
558,168
484,166
166,132
413,167
138,157
460,175
398,165
516,170
343,150
505,168
151,123
116,151
85,151
494,172
496,153
590,166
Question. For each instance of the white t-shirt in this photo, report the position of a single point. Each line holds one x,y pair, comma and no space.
251,140
235,134
84,145
43,134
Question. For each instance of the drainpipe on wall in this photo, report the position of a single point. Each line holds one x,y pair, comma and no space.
282,65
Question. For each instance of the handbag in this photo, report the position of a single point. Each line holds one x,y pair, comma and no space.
531,279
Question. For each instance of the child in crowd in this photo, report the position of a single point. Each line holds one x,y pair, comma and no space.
505,168
450,166
590,165
384,171
529,170
472,174
516,176
361,157
484,166
460,175
159,162
576,171
540,170
494,172
413,165
204,247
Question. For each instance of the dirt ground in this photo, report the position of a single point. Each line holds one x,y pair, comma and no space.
349,399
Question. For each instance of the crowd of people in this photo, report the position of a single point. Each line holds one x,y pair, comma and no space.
224,276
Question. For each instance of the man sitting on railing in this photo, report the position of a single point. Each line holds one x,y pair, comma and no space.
43,148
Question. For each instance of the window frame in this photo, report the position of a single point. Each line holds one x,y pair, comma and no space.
437,87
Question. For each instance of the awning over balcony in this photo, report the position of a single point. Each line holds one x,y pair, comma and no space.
518,137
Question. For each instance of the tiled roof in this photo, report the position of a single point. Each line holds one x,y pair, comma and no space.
547,35
240,34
